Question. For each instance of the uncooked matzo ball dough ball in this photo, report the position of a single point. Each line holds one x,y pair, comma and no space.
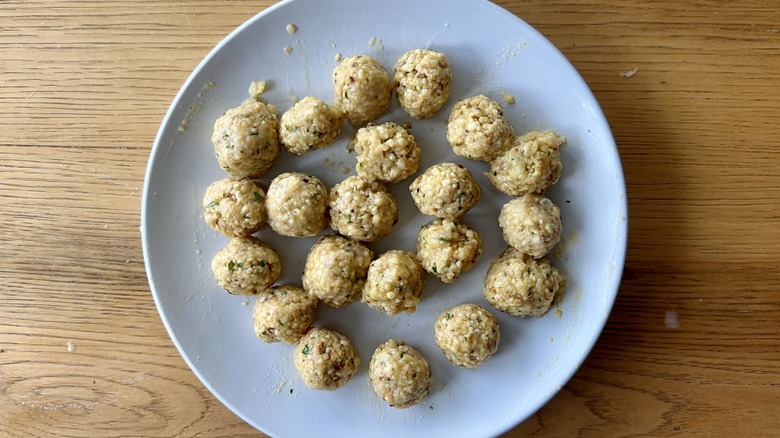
532,164
310,124
325,359
445,190
531,224
246,139
361,209
395,283
520,285
234,207
283,313
477,129
297,205
386,152
399,374
446,249
467,334
361,89
336,270
246,266
422,81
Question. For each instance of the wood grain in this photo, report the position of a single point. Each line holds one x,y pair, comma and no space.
84,86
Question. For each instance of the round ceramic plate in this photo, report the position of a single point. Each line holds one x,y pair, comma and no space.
492,52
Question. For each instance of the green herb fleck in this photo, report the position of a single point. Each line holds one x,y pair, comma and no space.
258,197
212,204
447,316
305,349
434,269
262,263
280,322
346,95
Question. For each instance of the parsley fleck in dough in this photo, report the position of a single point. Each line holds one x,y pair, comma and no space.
399,374
532,164
246,266
283,313
395,283
362,210
422,80
336,270
521,285
531,224
386,152
234,207
325,359
467,334
310,124
246,139
478,130
447,248
361,89
445,190
297,205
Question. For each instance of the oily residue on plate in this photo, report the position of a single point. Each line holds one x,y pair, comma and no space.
196,106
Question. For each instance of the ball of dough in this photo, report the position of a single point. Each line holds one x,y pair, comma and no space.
297,205
246,266
325,359
520,285
283,313
532,164
477,129
399,374
445,190
246,139
361,89
234,207
336,270
310,124
467,334
362,210
531,224
395,283
422,81
386,152
447,248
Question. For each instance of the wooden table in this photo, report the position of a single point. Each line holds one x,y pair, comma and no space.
692,347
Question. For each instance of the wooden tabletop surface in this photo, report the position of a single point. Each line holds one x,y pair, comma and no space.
692,347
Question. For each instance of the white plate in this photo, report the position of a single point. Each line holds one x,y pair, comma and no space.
491,51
